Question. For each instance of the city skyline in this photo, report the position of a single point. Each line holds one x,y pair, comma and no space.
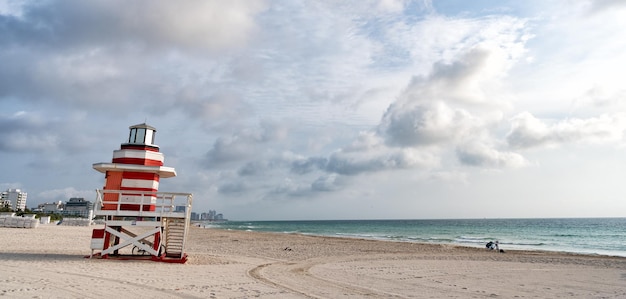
59,206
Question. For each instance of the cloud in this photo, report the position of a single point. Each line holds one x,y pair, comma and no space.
450,106
479,154
453,102
229,149
245,144
366,154
459,80
210,102
290,188
64,194
236,187
208,25
307,165
527,131
450,176
598,98
28,132
599,6
253,168
74,55
37,132
353,163
326,183
429,123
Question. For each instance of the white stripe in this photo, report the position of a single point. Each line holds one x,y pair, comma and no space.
149,155
150,184
138,199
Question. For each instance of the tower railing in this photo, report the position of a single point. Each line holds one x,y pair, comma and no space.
162,204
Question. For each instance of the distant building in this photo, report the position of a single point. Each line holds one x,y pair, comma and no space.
55,207
78,206
5,203
212,215
15,198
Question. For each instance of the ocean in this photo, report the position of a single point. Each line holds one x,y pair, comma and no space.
602,236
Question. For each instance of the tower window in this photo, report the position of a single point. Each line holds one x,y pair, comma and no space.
131,138
141,136
137,135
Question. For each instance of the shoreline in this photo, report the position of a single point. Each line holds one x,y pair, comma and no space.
507,247
430,246
48,262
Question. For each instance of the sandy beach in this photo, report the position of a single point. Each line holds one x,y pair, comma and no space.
48,262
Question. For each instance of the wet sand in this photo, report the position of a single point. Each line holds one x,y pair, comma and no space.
48,262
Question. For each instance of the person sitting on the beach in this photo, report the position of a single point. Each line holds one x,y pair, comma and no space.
498,248
490,245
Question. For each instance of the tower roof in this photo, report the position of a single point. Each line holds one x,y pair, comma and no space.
143,126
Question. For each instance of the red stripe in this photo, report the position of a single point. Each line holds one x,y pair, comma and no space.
138,161
97,234
131,175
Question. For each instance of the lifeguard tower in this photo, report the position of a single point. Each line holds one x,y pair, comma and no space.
139,221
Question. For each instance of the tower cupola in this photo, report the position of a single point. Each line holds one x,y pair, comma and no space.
142,135
136,166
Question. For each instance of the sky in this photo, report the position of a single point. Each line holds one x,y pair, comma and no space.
298,110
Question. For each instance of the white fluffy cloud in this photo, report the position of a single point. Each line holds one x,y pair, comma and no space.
426,124
486,156
528,131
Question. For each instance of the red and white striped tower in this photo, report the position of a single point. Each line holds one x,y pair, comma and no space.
136,166
135,213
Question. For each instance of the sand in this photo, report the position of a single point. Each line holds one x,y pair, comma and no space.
48,262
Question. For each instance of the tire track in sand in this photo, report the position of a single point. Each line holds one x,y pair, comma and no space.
296,277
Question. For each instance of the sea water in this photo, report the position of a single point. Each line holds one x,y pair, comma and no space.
603,236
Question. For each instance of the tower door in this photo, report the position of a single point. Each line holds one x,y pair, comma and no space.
113,182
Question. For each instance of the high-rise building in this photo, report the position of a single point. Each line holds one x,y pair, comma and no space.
16,197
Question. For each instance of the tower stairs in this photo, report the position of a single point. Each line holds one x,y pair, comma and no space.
175,236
